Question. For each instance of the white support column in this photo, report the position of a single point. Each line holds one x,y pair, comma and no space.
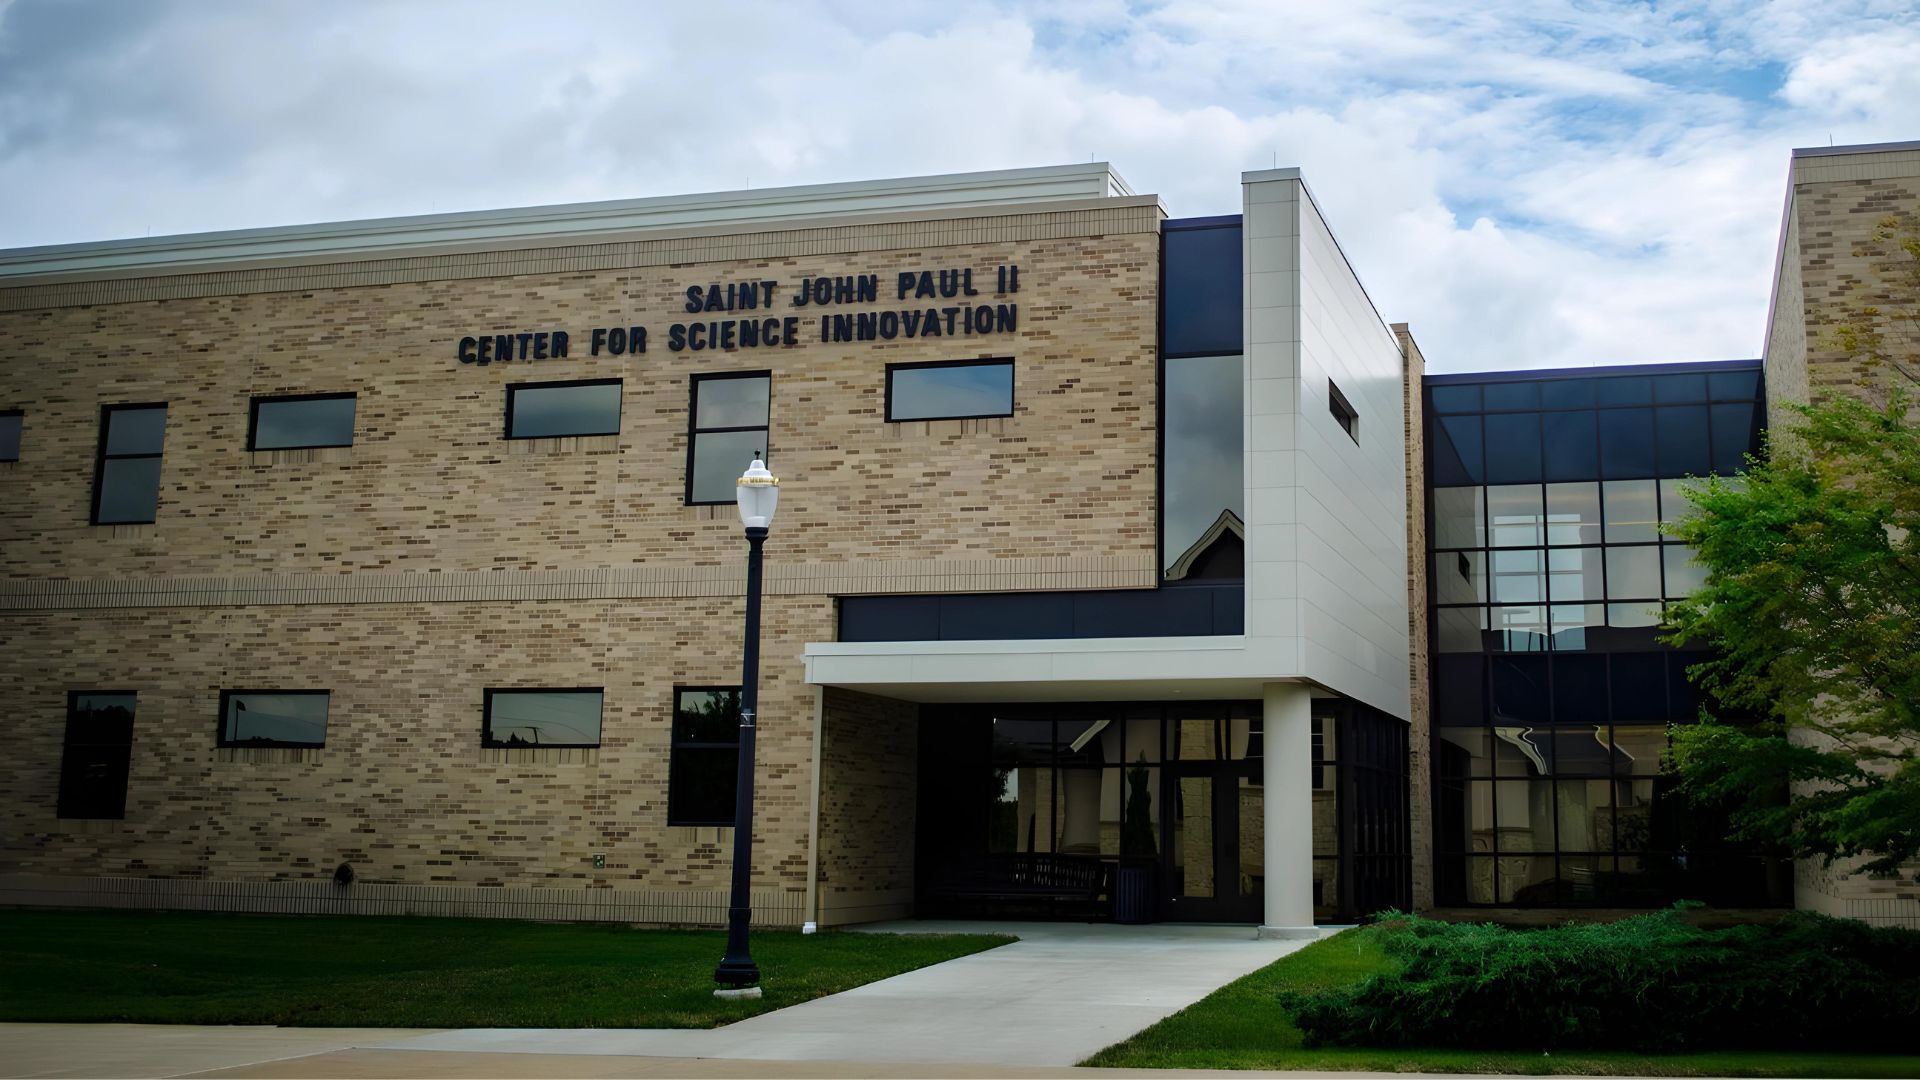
1287,751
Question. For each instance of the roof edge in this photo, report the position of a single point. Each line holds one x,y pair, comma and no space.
801,204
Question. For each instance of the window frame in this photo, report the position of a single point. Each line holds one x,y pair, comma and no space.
694,430
993,361
488,742
620,412
675,744
1344,414
220,731
253,419
21,415
101,457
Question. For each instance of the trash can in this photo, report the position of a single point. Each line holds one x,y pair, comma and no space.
1133,894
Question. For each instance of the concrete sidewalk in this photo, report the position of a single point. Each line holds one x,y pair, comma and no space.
1056,996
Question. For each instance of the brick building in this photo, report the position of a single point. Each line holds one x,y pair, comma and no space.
1109,543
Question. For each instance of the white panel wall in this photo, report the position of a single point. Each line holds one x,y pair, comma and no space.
1326,516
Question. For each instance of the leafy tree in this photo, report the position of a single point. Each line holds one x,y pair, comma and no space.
1812,602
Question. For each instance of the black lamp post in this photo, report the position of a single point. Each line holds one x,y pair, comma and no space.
757,493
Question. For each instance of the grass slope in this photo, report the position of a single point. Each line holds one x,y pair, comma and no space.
1241,1026
314,971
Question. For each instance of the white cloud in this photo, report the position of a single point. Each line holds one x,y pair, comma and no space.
1526,183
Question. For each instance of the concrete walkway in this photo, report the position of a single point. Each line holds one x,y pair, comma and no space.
1056,996
1060,993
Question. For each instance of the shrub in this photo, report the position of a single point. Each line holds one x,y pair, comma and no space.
1651,983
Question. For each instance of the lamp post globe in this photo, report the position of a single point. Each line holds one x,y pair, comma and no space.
757,494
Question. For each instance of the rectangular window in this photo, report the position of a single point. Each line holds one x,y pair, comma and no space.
556,410
295,718
301,422
126,486
1348,417
727,428
10,421
949,390
1201,530
94,761
703,774
558,719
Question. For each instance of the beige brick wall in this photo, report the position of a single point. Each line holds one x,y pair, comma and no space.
1842,269
403,789
868,782
430,485
1831,267
434,559
1420,717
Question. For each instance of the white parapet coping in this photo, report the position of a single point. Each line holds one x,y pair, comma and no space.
717,210
1085,669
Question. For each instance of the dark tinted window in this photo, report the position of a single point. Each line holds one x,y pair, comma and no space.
1343,411
1626,443
552,410
1572,446
1457,457
126,487
135,429
1733,384
1639,686
1674,389
1682,431
295,423
527,718
1623,390
1200,299
1567,394
1503,397
10,422
949,391
730,422
273,717
1513,448
1459,684
1519,685
1202,470
1736,432
1580,688
704,771
1455,399
94,760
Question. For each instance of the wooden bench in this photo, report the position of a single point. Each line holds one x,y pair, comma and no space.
1031,877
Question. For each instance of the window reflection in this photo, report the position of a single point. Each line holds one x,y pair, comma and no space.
1573,513
1633,572
1633,515
1558,588
949,390
1459,517
1515,515
551,410
1201,458
295,423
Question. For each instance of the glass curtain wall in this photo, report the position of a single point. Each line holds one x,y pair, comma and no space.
1201,394
1548,577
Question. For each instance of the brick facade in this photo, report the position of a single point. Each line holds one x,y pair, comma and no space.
434,559
1830,267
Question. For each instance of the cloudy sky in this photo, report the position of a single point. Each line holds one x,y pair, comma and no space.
1527,183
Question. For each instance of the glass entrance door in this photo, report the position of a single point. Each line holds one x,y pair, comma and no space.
1214,864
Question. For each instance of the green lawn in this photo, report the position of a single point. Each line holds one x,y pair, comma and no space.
314,971
1241,1026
